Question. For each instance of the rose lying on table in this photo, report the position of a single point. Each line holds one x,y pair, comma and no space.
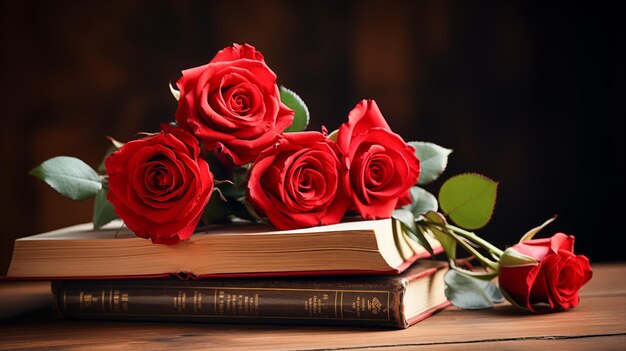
540,275
543,274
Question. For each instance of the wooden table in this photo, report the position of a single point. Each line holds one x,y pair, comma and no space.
599,322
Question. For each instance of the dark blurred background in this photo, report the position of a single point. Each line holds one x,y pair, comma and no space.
528,93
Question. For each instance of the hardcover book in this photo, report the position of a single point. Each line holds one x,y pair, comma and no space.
353,247
368,300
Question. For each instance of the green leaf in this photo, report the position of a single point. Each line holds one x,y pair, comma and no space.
531,233
216,210
436,223
69,176
468,199
468,292
405,217
421,201
433,160
407,220
103,211
294,102
420,237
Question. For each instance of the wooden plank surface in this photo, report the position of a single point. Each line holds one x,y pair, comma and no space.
604,343
598,322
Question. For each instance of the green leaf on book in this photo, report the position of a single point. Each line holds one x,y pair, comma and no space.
433,160
435,223
294,102
69,176
103,211
421,201
216,209
468,292
468,199
407,219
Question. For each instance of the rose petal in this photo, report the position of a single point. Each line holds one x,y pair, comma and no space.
237,52
518,281
363,117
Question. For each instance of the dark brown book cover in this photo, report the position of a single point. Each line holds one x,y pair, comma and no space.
342,300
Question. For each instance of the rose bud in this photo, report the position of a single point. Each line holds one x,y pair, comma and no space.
233,103
543,274
159,186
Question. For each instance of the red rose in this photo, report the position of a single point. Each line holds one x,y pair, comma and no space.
159,186
382,167
543,271
233,103
296,183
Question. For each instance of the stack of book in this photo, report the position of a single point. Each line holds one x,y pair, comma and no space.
351,273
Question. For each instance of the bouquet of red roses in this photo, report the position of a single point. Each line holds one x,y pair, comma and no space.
239,150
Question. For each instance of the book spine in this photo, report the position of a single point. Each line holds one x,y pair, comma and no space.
235,304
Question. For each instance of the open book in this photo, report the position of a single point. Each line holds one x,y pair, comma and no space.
354,247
